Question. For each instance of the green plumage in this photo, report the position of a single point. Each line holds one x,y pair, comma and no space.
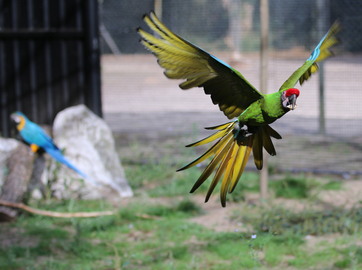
235,96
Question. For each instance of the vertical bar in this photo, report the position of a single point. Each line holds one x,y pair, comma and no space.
158,9
264,32
235,27
4,106
32,64
48,64
14,5
321,28
92,57
322,116
80,55
4,110
1,16
63,53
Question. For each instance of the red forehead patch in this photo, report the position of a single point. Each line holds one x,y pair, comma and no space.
292,91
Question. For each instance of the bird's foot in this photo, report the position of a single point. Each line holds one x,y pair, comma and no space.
242,131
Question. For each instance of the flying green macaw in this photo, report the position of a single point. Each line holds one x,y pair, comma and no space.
236,97
37,138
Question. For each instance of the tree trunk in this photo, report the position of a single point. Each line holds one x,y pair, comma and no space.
20,166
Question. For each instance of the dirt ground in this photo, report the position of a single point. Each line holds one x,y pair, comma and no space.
218,218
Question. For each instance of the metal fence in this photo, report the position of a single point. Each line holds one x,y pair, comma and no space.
292,23
49,58
135,89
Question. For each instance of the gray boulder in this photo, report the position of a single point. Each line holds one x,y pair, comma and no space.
88,143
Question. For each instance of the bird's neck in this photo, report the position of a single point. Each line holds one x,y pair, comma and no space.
21,125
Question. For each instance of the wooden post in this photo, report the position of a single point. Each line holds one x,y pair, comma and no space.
264,25
158,8
235,27
322,13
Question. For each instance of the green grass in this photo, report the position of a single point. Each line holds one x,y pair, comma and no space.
155,236
165,241
293,187
154,229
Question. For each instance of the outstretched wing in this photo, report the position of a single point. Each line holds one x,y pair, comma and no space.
183,60
321,52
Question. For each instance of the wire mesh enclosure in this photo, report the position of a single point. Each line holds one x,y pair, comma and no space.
49,58
135,89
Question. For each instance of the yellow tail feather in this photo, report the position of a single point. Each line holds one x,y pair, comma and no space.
214,162
213,136
231,156
225,161
242,159
222,126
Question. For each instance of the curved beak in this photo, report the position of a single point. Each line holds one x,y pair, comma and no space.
292,102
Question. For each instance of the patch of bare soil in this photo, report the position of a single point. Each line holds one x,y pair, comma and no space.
218,218
347,197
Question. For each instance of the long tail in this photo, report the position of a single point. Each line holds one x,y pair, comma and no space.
58,156
232,155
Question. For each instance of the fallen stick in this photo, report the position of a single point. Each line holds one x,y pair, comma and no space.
56,214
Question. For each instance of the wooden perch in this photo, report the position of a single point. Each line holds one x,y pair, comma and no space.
56,214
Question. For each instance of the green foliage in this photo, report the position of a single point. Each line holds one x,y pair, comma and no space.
351,257
293,188
332,185
142,174
249,182
188,206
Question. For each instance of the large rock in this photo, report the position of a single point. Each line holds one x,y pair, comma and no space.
89,144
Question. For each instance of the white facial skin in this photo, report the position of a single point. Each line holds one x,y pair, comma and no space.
16,118
286,102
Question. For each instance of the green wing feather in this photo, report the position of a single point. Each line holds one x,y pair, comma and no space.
262,140
183,60
321,52
258,150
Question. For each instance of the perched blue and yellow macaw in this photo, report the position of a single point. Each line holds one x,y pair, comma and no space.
38,138
235,96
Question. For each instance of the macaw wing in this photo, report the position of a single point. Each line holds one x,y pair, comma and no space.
34,134
321,52
183,60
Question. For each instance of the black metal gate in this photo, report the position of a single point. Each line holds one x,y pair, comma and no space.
49,58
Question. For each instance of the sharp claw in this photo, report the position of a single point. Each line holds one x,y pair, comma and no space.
242,131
